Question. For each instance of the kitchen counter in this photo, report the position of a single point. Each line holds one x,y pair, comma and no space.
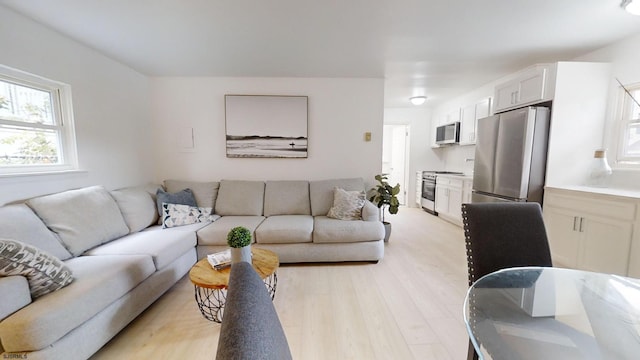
455,176
625,193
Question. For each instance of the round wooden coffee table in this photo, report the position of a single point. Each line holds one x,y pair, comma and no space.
211,284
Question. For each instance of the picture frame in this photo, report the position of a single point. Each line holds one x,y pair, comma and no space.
266,126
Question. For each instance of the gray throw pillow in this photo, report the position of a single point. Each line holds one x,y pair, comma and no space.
44,272
183,197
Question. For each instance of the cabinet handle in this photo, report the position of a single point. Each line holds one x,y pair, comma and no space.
581,222
575,220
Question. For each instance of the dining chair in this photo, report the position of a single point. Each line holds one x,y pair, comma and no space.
503,235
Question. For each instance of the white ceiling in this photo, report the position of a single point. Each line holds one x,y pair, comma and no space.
436,48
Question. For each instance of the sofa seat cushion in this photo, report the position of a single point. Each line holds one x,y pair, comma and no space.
216,232
327,230
286,198
15,294
284,229
321,193
20,223
83,218
163,245
239,197
99,281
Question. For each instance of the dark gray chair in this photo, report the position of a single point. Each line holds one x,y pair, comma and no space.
503,235
250,325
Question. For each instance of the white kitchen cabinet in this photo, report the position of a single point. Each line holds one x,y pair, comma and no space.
529,86
418,188
467,189
449,198
469,116
589,232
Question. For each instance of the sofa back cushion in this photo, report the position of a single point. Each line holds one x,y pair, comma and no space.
83,218
205,193
137,207
20,223
238,197
286,198
321,193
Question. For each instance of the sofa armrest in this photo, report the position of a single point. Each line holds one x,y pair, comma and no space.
250,326
370,212
15,294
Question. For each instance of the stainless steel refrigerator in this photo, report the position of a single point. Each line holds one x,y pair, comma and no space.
511,156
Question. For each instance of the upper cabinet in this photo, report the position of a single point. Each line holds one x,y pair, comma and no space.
469,116
530,86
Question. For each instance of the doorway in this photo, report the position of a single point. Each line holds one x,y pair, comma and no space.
395,147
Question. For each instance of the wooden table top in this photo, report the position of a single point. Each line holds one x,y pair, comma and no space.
265,263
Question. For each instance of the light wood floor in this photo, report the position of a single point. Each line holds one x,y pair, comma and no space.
408,306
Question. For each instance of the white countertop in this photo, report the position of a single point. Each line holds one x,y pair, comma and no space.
454,176
628,193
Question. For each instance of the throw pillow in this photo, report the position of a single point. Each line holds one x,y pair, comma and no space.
178,215
347,205
44,272
183,197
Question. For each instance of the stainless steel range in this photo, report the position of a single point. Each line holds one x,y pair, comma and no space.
428,198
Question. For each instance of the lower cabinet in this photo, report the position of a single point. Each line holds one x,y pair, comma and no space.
451,193
589,232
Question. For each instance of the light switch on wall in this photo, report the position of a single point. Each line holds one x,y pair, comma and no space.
367,136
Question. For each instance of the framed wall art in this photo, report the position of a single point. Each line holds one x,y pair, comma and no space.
266,126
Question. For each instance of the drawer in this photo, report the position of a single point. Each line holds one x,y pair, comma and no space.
606,208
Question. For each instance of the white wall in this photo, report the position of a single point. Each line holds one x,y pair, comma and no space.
340,112
110,103
624,57
421,156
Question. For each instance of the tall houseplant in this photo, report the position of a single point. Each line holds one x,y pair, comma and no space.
385,196
239,239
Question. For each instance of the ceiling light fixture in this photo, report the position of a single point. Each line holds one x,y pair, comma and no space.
418,100
632,6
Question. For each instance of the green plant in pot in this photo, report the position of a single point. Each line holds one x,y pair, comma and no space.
385,197
239,239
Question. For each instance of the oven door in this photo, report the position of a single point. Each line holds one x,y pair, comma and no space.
428,194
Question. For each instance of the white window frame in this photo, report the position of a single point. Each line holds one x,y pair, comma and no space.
64,125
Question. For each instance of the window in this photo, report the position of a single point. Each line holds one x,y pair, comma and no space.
36,124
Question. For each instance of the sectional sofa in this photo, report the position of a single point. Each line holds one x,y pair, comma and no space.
77,266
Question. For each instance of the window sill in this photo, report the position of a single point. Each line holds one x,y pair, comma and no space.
33,175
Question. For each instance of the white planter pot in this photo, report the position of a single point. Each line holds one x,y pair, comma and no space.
241,254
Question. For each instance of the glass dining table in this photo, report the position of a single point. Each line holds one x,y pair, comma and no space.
553,313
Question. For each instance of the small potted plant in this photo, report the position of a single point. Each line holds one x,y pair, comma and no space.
385,196
239,239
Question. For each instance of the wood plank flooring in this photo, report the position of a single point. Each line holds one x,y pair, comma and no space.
408,306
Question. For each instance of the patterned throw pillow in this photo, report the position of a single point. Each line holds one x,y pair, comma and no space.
183,197
44,272
178,215
347,205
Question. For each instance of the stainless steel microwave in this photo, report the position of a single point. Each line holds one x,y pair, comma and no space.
448,134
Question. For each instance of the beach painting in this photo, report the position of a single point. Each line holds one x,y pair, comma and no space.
266,126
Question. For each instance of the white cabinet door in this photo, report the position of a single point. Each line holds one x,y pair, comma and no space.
419,188
606,245
468,125
442,199
469,116
527,88
467,189
455,204
564,240
505,95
